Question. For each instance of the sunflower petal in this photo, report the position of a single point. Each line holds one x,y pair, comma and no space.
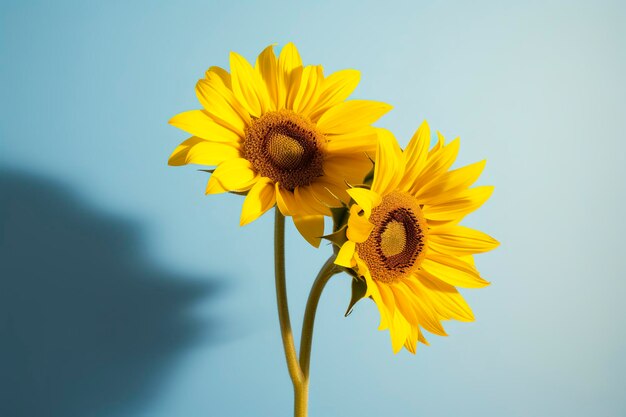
350,168
221,104
286,201
415,155
364,140
202,152
247,86
446,300
223,75
437,163
312,76
456,208
199,123
233,175
399,331
351,115
449,184
388,169
345,257
459,240
267,67
336,88
289,74
452,270
260,199
311,227
359,228
366,199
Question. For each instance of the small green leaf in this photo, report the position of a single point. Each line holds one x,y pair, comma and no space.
339,216
339,237
359,288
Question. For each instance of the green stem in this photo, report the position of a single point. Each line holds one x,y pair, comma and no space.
306,338
300,385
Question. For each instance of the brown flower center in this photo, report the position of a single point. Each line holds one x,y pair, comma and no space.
285,147
397,243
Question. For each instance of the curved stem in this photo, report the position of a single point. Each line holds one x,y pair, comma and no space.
281,299
306,339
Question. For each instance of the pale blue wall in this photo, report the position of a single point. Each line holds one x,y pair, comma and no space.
127,292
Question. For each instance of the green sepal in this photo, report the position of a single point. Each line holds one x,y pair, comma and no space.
210,171
339,216
359,288
339,237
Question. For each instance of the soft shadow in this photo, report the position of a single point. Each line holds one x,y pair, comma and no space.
87,325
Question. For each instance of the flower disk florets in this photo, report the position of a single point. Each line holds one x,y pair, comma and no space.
397,242
285,147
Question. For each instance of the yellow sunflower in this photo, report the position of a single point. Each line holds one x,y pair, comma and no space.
403,240
280,133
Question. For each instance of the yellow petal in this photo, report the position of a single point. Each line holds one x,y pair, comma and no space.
399,331
223,75
351,115
459,240
248,86
361,141
415,155
234,175
366,199
423,309
312,77
330,193
214,186
385,305
403,300
350,168
462,204
286,202
450,183
373,291
359,228
202,152
306,199
388,169
260,199
411,341
345,257
446,300
335,88
199,123
452,270
437,163
267,67
311,227
221,104
289,74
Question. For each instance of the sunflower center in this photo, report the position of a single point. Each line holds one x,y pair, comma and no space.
397,243
285,151
393,239
285,147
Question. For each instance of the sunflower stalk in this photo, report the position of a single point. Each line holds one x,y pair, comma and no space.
298,368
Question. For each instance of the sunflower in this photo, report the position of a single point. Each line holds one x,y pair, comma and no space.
280,133
403,242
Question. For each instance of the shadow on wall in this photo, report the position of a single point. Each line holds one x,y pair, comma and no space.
87,325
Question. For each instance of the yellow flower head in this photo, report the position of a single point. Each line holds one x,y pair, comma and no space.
403,239
282,133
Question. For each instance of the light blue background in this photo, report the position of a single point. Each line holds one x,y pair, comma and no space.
536,88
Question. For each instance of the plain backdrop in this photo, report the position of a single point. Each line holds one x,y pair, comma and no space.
125,292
